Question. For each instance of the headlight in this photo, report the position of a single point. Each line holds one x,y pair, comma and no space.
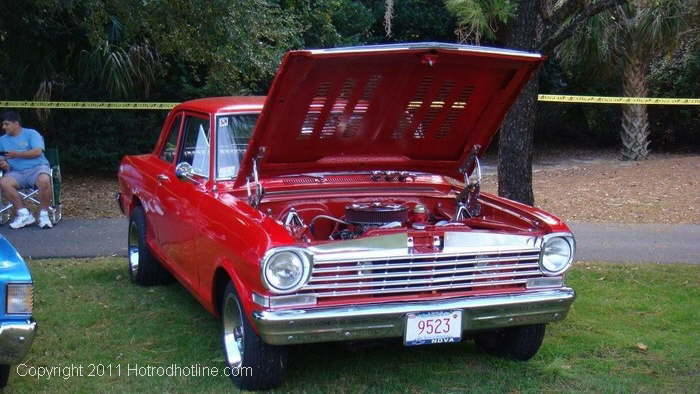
285,270
20,298
557,253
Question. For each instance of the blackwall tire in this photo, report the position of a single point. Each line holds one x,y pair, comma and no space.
144,268
253,364
518,343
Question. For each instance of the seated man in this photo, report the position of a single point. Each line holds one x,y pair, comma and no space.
25,166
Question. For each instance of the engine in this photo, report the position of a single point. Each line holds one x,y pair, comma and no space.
357,218
376,214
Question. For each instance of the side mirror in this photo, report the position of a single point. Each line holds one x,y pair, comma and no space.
184,172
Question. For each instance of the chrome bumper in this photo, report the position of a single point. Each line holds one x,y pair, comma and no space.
358,322
16,338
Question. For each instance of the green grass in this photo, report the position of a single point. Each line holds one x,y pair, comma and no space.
89,313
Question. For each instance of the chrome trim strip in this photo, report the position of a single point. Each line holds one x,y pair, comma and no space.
430,257
16,337
394,246
417,273
425,45
456,286
387,320
410,282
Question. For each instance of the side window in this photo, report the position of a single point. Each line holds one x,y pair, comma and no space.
168,153
195,144
233,134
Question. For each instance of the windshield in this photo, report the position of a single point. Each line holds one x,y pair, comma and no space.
233,134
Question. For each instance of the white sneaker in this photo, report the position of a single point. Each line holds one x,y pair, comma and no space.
23,218
44,221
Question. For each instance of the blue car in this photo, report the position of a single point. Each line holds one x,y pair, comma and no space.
17,326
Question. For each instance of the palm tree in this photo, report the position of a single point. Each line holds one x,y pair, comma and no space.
630,36
533,25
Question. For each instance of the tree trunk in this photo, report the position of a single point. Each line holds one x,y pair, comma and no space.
515,139
635,122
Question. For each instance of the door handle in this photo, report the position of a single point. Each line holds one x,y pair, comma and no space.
162,178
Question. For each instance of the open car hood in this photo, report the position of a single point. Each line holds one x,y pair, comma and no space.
406,107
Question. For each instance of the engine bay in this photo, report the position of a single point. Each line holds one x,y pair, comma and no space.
343,218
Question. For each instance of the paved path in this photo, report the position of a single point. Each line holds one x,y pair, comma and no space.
658,243
71,238
595,242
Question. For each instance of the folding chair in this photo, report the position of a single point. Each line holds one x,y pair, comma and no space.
30,195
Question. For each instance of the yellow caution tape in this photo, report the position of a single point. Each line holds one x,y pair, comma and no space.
617,100
85,105
167,106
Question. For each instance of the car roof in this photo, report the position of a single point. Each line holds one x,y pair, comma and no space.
223,104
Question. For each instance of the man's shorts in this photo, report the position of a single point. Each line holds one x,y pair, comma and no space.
27,178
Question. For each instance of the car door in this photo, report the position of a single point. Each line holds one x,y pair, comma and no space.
180,199
222,228
163,168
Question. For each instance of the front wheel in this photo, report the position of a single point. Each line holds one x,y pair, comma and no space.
4,375
519,343
253,364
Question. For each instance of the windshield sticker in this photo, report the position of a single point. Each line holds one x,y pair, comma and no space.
223,122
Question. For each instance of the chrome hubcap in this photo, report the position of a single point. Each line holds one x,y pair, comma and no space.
233,331
133,248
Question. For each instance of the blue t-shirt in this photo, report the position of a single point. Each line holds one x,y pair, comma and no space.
27,139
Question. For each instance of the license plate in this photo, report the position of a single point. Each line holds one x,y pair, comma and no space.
433,327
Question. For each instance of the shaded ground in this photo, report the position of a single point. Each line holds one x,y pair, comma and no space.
89,197
585,186
660,190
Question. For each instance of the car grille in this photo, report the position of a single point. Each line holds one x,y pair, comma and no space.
423,273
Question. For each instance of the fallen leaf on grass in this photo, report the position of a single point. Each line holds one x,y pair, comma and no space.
642,347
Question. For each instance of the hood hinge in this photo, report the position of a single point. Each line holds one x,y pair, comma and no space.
468,199
254,197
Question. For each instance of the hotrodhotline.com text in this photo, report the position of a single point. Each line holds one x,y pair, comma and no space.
128,370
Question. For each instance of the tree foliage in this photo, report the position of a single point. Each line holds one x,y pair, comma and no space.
628,38
161,50
410,21
173,50
479,18
536,25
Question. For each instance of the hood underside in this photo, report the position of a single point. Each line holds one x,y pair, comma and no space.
407,107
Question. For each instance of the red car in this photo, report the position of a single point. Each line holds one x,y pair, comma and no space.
345,206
